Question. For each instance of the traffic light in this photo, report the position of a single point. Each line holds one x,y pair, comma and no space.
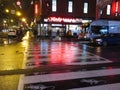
18,3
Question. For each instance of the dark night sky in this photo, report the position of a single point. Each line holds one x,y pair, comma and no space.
27,8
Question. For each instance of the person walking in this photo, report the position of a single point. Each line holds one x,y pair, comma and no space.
19,34
35,32
58,33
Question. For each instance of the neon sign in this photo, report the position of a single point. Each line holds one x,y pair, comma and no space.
116,7
66,20
36,8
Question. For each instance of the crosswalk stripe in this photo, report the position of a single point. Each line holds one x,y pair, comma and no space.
83,59
88,63
79,59
115,86
70,75
31,63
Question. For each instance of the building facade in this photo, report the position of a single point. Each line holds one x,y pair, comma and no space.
71,15
111,11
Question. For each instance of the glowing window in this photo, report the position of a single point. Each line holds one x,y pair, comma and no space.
70,6
85,7
54,5
108,9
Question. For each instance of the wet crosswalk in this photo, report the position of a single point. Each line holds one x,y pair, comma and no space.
83,70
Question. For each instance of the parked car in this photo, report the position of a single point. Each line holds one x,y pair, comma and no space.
12,33
108,39
3,33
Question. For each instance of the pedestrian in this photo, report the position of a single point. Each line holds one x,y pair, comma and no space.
69,34
19,34
50,34
35,32
58,33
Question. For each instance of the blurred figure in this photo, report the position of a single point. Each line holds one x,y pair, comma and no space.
80,36
69,34
58,33
58,38
19,34
35,32
49,34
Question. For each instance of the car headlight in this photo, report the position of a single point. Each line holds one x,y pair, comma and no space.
98,40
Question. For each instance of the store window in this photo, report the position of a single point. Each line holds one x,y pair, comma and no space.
70,6
54,5
85,8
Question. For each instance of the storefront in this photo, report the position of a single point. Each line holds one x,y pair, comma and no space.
53,25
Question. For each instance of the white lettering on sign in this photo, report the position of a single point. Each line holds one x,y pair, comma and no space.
69,20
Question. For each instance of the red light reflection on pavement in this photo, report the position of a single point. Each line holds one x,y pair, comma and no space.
37,63
110,67
54,53
61,54
111,77
36,54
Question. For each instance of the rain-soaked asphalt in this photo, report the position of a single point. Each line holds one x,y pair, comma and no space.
11,58
58,65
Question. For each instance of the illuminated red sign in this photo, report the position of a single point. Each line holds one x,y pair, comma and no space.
115,7
36,8
66,20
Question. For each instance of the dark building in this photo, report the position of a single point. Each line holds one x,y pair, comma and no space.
83,9
74,15
111,11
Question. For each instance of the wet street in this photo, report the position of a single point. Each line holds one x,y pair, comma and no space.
58,65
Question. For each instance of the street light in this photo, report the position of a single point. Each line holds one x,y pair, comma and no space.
7,10
18,3
23,20
18,13
12,20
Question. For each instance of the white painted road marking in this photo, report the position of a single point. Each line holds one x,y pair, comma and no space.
101,87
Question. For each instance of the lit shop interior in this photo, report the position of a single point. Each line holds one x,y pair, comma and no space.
63,25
